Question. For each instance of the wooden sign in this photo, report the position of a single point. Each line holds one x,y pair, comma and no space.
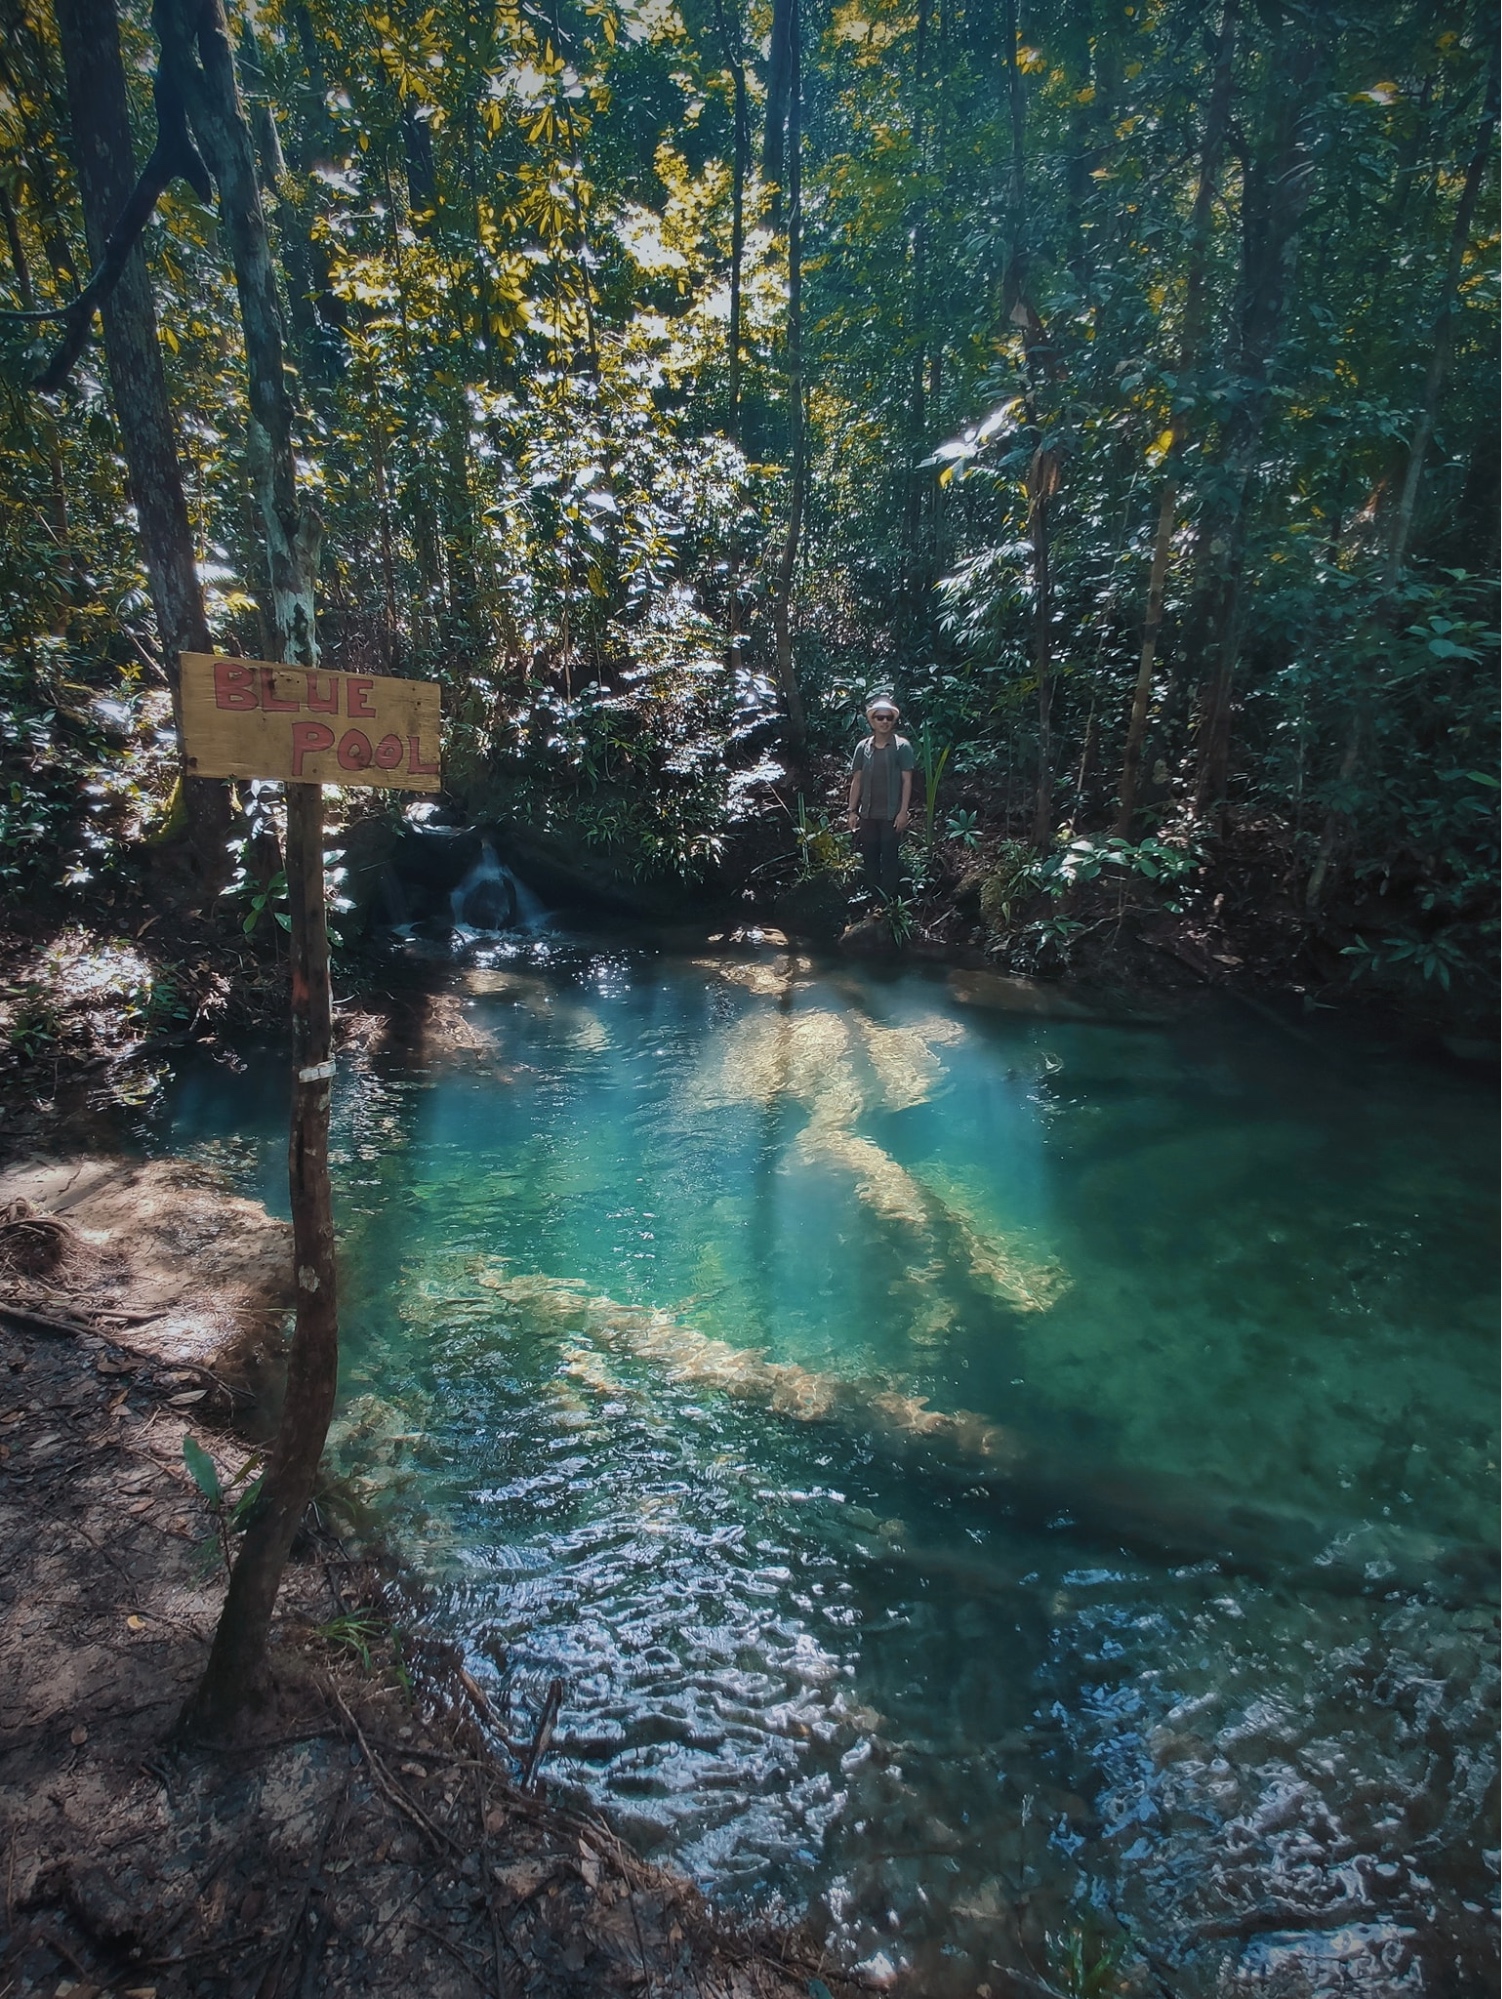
254,718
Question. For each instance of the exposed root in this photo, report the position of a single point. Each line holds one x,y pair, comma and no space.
33,1244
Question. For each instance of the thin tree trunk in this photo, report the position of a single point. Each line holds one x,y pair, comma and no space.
1043,482
1196,294
18,34
104,160
236,1661
17,251
782,603
1442,340
1274,203
236,1665
740,162
781,89
913,565
58,493
391,627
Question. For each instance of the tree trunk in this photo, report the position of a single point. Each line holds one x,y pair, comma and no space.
1442,340
740,162
1275,198
1042,484
1042,481
914,577
782,603
1217,123
236,1661
318,316
236,1666
782,88
103,156
20,44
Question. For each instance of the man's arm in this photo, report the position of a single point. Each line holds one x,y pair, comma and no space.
853,807
900,822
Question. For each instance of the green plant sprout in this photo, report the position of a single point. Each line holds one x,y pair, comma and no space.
229,1514
933,772
356,1631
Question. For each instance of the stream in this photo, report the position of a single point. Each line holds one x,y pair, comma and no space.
1003,1485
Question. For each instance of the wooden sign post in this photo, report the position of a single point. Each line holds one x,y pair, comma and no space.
256,718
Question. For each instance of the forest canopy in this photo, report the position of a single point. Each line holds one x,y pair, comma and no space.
1116,383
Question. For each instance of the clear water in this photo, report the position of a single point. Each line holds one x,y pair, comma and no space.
998,1484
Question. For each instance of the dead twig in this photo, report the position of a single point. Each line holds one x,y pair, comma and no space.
388,1785
66,1328
544,1735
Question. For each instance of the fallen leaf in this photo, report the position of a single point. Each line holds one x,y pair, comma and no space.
106,1366
141,1505
190,1395
79,1736
525,1878
135,1624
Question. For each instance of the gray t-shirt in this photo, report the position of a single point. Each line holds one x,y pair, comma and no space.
880,771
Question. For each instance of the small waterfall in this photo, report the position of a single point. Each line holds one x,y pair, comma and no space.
486,898
491,898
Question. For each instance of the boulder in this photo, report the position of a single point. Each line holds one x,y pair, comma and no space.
370,885
869,937
817,908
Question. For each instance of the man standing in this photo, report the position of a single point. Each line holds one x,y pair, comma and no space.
881,790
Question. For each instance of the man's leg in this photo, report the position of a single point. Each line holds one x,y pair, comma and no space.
891,862
869,838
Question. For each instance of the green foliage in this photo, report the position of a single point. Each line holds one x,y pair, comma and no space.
900,918
823,848
229,1511
1084,1965
505,243
1084,859
1012,878
270,896
202,1470
355,1632
1442,957
932,762
34,1021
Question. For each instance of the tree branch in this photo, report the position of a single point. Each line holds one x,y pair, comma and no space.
173,157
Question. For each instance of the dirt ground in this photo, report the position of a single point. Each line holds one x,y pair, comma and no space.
374,1834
